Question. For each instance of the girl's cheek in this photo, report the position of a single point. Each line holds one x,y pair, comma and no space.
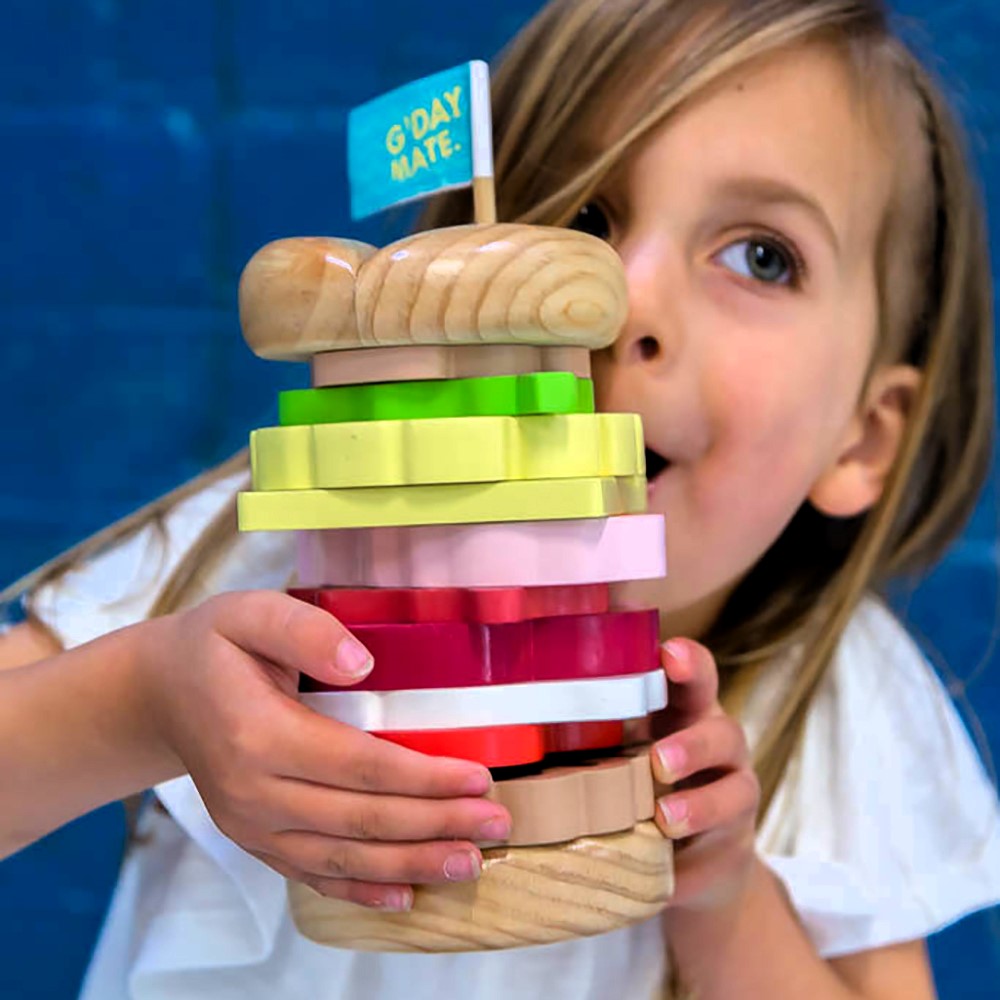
607,394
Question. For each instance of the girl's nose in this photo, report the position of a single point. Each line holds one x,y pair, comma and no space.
634,347
650,336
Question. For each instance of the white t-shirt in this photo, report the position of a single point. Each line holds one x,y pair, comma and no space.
885,828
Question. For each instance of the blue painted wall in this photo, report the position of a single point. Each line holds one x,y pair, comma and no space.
147,148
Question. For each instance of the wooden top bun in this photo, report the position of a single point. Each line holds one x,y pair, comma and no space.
496,284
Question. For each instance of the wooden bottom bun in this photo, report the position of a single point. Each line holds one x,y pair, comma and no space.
525,896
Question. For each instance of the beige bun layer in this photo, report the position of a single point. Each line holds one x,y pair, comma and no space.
498,284
525,895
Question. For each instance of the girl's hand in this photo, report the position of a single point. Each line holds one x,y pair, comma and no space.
710,812
322,803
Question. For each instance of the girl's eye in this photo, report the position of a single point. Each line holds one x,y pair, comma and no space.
761,260
593,220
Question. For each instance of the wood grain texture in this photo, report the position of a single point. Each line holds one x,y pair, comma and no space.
493,285
526,895
297,294
489,284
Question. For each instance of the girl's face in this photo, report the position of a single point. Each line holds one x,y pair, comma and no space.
748,228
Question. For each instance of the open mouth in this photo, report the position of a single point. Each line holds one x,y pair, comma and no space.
655,464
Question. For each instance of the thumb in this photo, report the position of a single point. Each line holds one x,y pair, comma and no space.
292,634
351,660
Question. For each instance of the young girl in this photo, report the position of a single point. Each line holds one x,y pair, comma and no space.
809,347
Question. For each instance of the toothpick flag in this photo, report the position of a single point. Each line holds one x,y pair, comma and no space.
427,136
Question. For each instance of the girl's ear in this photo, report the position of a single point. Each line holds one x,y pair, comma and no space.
853,482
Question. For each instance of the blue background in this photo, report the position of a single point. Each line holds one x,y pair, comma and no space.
147,148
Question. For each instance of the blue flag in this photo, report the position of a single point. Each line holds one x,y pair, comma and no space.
427,136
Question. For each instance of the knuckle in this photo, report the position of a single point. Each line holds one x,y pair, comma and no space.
337,862
368,774
424,865
697,747
294,619
212,613
449,822
210,607
306,628
365,823
441,822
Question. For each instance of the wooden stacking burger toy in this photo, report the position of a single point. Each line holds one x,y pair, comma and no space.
463,510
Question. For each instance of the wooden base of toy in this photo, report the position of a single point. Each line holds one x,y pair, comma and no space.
525,896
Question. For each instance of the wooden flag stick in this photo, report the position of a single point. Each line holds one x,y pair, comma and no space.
484,200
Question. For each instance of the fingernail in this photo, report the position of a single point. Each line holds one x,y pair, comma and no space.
462,867
675,815
477,783
673,758
396,900
676,650
353,659
495,828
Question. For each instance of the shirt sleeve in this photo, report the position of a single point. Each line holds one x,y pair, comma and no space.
119,586
887,827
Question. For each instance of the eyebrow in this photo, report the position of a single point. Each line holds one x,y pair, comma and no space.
774,192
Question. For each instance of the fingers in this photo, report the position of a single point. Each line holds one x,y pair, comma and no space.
710,746
290,633
693,677
335,858
731,800
299,743
310,747
380,896
359,816
713,743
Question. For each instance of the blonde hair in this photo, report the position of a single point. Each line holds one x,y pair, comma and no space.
552,92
